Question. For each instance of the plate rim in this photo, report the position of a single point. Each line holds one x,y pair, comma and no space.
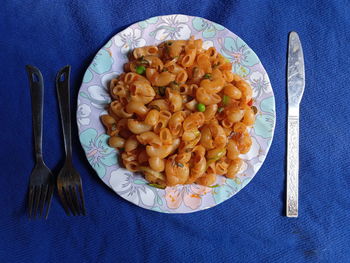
268,144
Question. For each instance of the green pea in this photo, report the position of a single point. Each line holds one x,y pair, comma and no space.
140,69
201,107
207,76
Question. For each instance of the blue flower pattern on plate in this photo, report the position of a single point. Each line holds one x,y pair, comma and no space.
207,28
102,63
145,23
99,154
242,57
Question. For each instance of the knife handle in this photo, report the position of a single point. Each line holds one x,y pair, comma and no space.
292,167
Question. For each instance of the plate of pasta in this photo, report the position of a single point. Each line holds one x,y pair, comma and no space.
176,114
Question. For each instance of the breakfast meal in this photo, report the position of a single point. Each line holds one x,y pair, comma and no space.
179,115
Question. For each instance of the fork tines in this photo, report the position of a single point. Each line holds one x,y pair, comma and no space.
38,196
71,195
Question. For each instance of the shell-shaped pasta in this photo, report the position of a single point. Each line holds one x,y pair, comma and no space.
184,89
163,120
246,90
228,131
198,44
157,164
210,112
207,179
206,138
228,75
203,61
225,66
150,138
216,153
118,89
249,117
195,74
215,84
118,109
175,123
240,127
162,79
129,156
190,56
244,143
165,136
199,164
206,98
153,176
233,168
190,135
138,127
176,173
175,100
175,48
234,115
232,150
232,91
116,142
193,121
132,166
190,144
226,124
131,144
107,120
110,122
183,157
212,53
154,62
152,118
150,72
144,51
136,107
221,166
131,66
163,150
142,91
219,135
131,77
181,76
161,104
173,67
191,105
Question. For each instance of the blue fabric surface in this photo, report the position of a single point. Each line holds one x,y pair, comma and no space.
250,227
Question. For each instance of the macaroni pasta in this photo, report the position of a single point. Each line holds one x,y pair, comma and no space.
179,115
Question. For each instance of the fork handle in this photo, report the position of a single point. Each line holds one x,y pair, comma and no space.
36,82
62,85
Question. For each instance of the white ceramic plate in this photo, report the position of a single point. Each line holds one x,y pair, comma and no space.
93,98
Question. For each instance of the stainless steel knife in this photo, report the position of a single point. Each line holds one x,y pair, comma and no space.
296,86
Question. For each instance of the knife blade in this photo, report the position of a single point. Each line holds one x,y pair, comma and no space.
295,86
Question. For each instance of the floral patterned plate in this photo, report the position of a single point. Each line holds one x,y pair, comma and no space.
93,98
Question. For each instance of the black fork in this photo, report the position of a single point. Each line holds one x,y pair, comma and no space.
41,184
69,184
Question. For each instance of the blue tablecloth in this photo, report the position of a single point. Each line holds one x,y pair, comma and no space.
250,227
